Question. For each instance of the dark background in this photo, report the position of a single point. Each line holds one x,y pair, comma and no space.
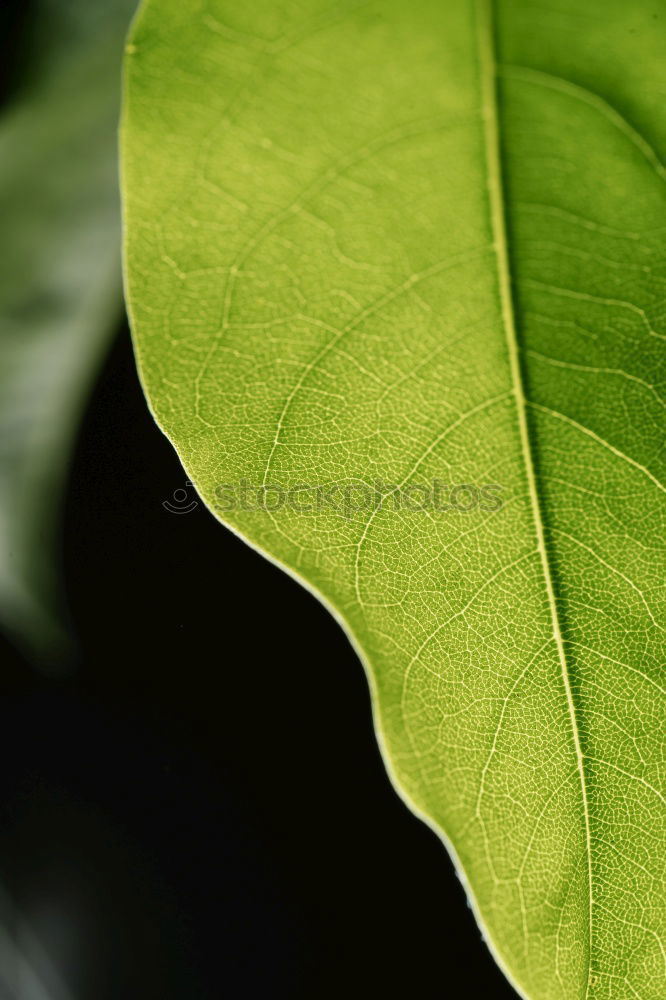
198,809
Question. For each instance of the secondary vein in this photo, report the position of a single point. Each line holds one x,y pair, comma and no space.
489,74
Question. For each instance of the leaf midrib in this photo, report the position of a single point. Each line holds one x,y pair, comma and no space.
485,16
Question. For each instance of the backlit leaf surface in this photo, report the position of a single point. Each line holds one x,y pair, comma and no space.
404,242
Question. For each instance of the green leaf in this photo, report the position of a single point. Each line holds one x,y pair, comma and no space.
402,243
60,294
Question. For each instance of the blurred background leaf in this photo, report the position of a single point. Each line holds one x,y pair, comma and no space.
60,284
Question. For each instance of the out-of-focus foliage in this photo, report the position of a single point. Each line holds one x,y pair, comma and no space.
60,288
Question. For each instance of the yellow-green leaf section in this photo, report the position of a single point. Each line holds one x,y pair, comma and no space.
400,243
